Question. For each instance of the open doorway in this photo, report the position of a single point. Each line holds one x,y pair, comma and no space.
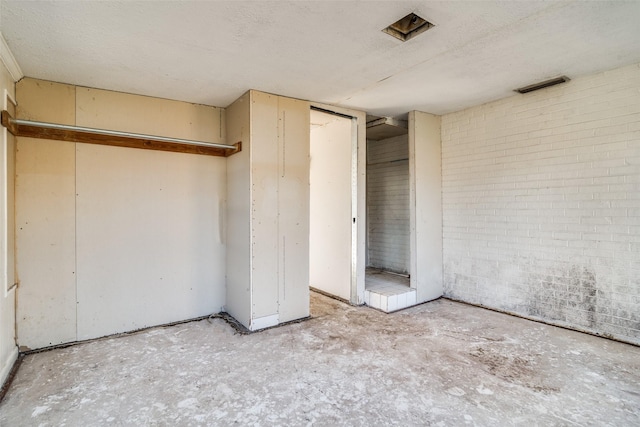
330,204
387,280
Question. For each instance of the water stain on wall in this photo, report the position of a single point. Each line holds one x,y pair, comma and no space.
567,295
574,294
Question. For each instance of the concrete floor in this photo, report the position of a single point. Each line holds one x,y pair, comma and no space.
440,363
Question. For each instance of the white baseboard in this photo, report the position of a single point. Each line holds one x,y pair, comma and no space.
264,322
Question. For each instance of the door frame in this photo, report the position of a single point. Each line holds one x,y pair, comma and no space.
358,194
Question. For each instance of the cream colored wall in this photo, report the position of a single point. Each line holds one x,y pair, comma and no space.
45,219
148,239
8,349
330,204
113,239
142,114
238,224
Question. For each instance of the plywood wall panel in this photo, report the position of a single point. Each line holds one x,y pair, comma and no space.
265,243
238,218
45,236
293,202
268,210
46,101
150,225
148,238
104,109
45,219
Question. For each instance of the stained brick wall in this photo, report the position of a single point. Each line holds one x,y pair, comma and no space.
541,204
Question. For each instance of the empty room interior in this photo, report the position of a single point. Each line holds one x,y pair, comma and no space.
320,213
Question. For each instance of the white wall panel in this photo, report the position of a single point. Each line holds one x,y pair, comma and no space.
268,210
293,199
265,241
425,172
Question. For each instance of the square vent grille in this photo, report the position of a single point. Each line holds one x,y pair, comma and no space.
408,27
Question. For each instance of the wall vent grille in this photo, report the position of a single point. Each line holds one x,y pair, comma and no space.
542,85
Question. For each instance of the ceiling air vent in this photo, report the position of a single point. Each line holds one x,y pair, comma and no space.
542,85
408,27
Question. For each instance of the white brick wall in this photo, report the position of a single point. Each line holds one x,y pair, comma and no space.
388,204
541,204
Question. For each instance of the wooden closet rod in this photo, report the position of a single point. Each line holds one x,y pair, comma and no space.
32,129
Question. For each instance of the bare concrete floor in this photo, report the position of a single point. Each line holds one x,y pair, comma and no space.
441,363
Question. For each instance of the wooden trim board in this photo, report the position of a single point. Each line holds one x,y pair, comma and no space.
88,137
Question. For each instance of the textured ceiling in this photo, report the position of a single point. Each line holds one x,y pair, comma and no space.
331,52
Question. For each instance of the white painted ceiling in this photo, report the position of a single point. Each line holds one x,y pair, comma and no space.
332,52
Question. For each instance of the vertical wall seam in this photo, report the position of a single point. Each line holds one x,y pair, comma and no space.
75,208
441,209
282,274
284,142
279,175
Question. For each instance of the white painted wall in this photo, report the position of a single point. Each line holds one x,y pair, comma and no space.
425,181
114,239
330,205
541,198
8,348
388,204
271,284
